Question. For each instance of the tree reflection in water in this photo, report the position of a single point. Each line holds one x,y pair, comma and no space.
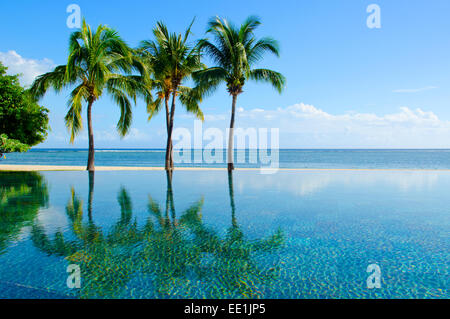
179,256
22,194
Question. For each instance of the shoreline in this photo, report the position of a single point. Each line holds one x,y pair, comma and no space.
49,168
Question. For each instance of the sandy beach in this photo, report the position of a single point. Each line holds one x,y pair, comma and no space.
32,168
35,168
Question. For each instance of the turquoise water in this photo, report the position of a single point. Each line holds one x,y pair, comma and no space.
406,159
294,234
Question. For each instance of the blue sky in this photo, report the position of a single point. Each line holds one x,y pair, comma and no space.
348,86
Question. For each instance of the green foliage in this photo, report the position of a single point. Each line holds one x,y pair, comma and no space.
235,51
172,61
98,60
21,118
10,146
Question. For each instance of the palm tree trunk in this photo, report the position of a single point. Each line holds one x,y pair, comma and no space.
166,100
231,136
90,164
169,156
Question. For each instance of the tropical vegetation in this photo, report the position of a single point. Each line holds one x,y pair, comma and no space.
98,61
159,71
236,50
8,145
173,60
23,123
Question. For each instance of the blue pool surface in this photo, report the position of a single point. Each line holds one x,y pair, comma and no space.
205,234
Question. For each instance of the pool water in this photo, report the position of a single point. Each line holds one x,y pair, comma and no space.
207,234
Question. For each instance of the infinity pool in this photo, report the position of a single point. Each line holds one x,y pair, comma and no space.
205,234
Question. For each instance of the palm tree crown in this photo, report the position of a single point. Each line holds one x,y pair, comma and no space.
97,61
236,51
155,54
173,61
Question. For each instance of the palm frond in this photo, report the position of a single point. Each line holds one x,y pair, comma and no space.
256,51
73,119
236,51
172,61
191,99
188,31
154,107
247,28
97,61
213,52
54,79
276,79
126,114
209,79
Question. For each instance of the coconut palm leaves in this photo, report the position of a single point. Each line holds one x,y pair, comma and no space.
98,61
235,51
173,60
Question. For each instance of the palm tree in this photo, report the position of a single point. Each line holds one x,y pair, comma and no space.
236,51
173,61
163,86
97,61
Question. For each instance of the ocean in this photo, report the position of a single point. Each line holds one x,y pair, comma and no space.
287,158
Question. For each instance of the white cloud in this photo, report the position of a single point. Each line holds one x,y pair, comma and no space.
111,135
104,138
405,115
28,68
304,125
136,135
300,126
415,90
211,117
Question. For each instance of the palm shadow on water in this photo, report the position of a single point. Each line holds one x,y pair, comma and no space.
175,257
22,194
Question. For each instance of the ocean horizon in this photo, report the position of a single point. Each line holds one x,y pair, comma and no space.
248,158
